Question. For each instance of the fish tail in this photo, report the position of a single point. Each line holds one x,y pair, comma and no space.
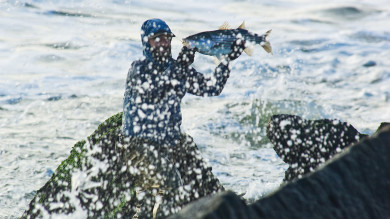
262,40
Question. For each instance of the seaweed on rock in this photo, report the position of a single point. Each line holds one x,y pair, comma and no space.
78,181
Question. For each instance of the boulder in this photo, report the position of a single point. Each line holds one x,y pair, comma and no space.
222,205
306,144
110,176
383,125
79,186
353,184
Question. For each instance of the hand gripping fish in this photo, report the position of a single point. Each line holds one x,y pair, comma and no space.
219,42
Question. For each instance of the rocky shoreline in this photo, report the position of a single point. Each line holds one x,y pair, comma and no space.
111,176
353,184
334,171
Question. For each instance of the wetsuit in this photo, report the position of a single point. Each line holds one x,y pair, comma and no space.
151,110
154,92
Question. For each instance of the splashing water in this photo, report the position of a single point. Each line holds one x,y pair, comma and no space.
63,73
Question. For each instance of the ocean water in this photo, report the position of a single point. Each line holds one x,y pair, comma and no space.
63,66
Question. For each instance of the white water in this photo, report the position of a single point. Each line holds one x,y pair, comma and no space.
61,76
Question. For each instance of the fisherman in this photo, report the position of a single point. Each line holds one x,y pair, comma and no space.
155,86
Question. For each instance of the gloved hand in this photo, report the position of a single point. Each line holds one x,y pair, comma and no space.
236,50
186,56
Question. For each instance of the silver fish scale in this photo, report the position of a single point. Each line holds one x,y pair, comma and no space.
219,42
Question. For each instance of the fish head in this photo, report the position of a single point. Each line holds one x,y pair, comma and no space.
188,43
199,41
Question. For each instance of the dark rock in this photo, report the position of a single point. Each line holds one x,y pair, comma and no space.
58,195
383,125
225,205
105,176
354,184
305,144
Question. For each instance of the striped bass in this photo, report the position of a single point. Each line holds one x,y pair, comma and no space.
219,42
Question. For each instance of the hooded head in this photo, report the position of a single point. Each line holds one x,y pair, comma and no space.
151,29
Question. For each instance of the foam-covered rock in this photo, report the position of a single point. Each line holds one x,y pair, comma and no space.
102,189
353,184
110,176
305,144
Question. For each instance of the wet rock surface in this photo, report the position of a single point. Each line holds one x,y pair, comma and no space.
105,175
99,191
354,184
222,205
306,144
111,176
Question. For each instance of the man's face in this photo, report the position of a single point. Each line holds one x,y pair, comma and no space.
161,47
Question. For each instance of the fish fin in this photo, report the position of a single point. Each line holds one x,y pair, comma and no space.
242,26
266,44
249,51
225,26
268,33
267,47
